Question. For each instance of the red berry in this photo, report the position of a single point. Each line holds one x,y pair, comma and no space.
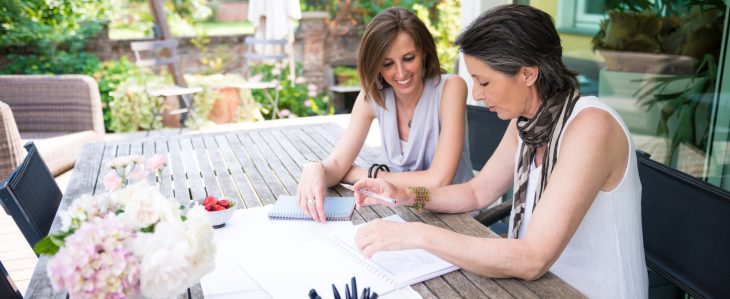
209,207
219,208
209,200
224,202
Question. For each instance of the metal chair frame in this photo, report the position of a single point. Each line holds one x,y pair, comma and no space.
151,54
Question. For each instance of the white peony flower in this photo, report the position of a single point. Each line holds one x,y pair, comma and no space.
200,237
164,260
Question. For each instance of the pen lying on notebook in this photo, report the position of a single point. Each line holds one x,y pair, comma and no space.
368,193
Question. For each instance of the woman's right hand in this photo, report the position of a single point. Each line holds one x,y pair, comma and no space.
311,190
382,187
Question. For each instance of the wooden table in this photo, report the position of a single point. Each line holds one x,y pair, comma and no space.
255,166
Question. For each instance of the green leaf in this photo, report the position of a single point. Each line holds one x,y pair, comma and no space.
46,246
149,229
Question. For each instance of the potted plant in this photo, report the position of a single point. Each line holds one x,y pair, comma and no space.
346,76
664,55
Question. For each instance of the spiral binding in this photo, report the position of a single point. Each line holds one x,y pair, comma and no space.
368,266
305,217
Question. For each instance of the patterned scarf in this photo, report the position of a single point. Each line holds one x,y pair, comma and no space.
543,129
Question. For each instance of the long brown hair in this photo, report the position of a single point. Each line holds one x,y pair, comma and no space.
378,37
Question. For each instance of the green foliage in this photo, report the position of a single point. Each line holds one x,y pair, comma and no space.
678,27
111,74
59,63
54,33
685,115
353,78
50,244
131,108
295,99
370,8
63,24
444,31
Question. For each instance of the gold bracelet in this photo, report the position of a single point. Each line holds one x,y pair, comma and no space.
422,196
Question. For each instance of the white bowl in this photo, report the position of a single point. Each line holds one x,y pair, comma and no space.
218,218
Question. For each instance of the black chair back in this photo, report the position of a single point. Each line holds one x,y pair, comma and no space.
31,196
485,133
686,226
7,287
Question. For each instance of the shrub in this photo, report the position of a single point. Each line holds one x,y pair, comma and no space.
295,98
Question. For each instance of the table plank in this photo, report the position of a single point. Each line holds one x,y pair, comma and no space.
263,167
249,197
179,176
165,179
110,152
220,168
209,176
192,170
279,170
264,193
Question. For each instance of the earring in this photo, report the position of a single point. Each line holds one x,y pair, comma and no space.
379,82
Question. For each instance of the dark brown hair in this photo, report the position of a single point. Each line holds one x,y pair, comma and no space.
378,37
510,37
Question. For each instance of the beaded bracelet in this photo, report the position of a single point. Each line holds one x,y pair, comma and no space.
422,196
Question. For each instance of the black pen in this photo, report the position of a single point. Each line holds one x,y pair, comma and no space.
313,294
374,296
354,288
347,292
335,292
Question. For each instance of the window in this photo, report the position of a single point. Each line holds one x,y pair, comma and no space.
580,16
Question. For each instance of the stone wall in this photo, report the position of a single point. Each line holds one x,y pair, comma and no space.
231,48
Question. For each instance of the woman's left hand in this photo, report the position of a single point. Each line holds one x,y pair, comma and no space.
382,235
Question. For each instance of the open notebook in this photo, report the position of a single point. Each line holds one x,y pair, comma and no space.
399,268
292,271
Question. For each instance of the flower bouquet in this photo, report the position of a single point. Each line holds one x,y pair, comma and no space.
132,242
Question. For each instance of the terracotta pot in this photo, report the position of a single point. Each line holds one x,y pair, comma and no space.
225,109
171,120
342,78
635,62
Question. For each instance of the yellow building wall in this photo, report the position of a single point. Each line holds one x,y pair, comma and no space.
574,45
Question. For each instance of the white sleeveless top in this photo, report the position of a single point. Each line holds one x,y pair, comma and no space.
605,256
418,151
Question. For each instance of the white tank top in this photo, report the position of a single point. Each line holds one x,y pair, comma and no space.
605,256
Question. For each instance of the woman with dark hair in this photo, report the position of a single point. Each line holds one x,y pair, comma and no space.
421,113
570,159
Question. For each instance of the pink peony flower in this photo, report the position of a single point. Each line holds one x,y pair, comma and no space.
284,113
156,162
112,181
96,262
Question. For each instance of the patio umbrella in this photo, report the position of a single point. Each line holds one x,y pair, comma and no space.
273,19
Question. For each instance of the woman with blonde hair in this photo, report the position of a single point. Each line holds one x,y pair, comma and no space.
421,113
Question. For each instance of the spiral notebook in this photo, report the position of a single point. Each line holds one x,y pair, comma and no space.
336,208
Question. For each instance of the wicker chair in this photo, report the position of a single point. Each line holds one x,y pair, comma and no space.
59,113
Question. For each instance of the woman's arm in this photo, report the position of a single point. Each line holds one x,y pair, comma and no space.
493,180
316,177
593,157
450,144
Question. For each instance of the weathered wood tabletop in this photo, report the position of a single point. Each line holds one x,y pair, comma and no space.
255,166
